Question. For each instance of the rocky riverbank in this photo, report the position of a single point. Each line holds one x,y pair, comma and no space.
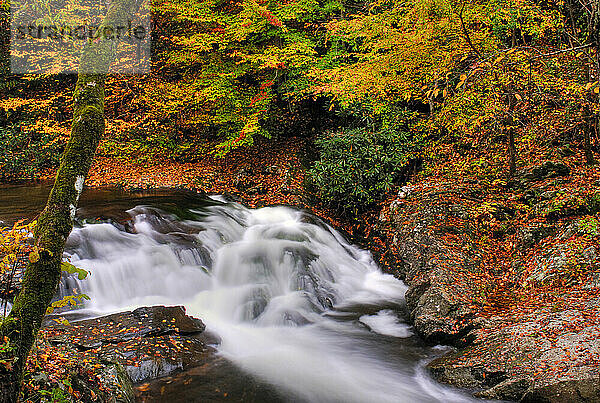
147,354
508,274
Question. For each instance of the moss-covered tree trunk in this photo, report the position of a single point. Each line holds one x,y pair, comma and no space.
55,222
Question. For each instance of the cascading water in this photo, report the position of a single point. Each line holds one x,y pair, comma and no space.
293,302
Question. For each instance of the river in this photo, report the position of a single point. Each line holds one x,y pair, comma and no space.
295,304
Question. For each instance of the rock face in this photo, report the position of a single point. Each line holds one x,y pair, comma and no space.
545,170
551,353
429,256
151,354
544,358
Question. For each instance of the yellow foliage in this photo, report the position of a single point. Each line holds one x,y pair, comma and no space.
14,243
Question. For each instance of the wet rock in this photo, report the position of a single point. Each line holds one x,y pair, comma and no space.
153,354
122,327
544,358
431,311
510,389
216,380
571,391
531,234
461,376
149,342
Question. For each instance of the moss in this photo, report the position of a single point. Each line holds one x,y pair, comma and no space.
593,203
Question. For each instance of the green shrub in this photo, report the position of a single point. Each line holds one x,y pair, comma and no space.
567,204
593,203
24,153
357,167
589,225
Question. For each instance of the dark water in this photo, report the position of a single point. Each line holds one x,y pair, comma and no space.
26,201
22,201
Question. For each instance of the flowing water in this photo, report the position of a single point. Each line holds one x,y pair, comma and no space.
295,304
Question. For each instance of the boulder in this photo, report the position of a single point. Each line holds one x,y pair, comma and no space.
547,357
428,263
510,389
153,353
549,354
571,391
146,341
543,171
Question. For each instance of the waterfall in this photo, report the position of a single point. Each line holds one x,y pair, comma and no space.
293,302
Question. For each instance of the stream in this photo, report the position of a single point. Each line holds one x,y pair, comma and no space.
295,305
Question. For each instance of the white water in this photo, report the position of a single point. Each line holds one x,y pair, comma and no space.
386,322
288,296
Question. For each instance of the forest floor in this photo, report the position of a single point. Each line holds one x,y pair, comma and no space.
269,172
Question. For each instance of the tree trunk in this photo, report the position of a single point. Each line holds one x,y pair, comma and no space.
510,123
594,38
55,222
587,141
512,152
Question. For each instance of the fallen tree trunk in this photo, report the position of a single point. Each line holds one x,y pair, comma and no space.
56,220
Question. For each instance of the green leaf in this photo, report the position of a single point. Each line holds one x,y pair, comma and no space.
68,300
69,268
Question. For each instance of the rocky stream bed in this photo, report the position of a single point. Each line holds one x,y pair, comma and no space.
143,354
